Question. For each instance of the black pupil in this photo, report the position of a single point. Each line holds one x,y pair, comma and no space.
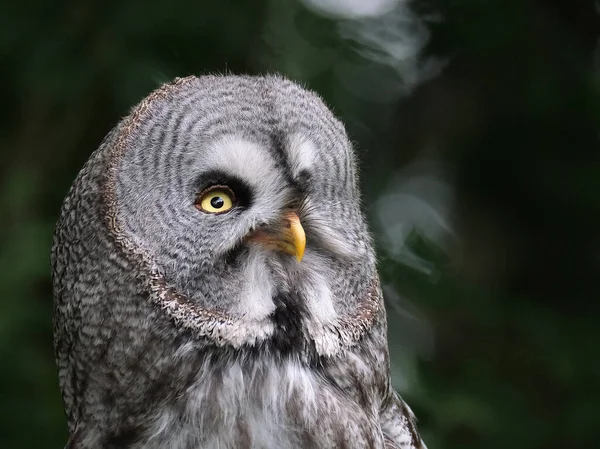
217,202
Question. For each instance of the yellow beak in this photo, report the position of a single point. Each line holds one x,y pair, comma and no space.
290,239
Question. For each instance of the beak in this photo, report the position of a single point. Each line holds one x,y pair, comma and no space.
289,237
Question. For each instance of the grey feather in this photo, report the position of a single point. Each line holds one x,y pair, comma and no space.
172,331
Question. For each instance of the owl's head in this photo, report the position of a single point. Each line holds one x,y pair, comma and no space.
235,201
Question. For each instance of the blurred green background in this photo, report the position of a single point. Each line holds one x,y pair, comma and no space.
476,124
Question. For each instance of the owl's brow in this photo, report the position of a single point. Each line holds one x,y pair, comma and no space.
243,192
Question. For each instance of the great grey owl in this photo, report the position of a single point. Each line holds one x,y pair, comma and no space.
215,282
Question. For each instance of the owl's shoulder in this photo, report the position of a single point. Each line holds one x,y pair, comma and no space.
399,424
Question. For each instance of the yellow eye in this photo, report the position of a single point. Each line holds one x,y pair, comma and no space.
216,200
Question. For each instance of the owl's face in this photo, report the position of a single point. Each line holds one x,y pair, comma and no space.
243,195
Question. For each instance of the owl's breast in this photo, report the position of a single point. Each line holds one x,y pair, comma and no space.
268,404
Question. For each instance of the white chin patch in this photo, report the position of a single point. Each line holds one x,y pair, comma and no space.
261,284
258,288
315,289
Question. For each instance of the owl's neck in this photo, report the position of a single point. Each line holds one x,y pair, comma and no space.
290,326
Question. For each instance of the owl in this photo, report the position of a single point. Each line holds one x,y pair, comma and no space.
215,282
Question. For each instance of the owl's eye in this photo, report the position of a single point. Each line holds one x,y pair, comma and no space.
215,200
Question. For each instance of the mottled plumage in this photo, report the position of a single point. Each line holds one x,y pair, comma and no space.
176,328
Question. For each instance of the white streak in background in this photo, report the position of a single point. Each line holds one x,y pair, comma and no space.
409,333
418,199
388,33
351,8
396,40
